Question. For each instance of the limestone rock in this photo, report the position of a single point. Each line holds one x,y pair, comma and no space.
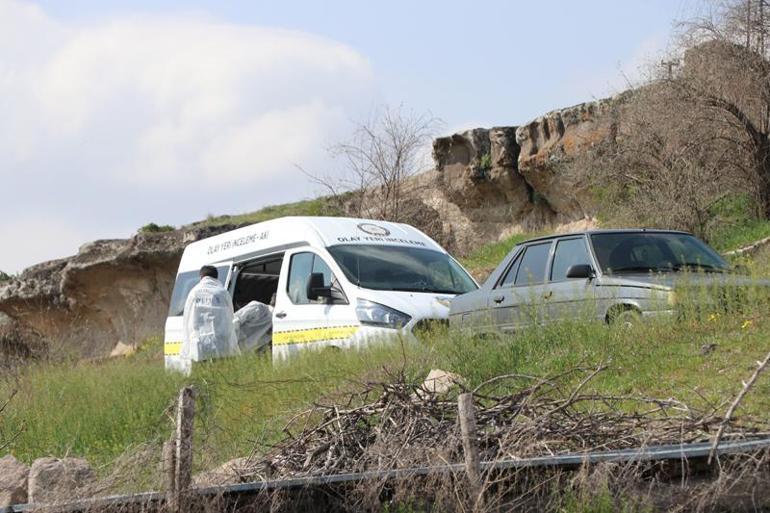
13,481
122,349
54,480
478,190
558,137
117,289
439,381
18,342
239,470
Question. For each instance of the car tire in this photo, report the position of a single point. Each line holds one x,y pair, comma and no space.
626,319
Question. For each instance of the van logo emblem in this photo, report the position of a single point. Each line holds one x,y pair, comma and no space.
373,229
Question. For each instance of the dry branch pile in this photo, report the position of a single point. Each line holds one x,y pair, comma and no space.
399,424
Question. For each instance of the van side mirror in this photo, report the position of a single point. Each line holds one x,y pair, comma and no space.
580,271
315,287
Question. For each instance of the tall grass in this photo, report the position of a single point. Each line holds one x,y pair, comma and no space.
99,410
483,260
322,206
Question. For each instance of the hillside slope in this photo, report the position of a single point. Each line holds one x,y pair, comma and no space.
487,185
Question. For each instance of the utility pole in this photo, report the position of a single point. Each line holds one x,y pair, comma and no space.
670,65
748,24
762,27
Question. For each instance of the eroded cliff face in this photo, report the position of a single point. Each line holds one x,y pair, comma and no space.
487,184
112,291
491,183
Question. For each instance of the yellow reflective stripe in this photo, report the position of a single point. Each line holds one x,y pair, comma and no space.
172,348
313,335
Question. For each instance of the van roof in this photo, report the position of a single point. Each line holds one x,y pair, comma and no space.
287,232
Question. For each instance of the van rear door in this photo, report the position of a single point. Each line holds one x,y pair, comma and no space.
185,281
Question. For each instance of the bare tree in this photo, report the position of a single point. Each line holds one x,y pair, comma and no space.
697,135
656,168
379,158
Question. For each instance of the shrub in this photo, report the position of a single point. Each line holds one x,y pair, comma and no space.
154,228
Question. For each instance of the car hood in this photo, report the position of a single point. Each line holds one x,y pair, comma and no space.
418,305
669,281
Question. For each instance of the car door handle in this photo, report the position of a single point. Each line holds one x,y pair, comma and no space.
498,299
281,315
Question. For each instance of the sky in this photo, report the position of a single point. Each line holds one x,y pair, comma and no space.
117,114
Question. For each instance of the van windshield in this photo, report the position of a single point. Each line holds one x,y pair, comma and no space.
402,269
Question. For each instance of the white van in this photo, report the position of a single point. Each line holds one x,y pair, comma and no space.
332,281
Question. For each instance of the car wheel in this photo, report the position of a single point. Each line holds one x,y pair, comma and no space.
626,319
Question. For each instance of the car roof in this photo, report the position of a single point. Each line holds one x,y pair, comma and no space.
594,232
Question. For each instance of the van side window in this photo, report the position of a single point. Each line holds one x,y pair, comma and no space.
533,263
569,252
302,264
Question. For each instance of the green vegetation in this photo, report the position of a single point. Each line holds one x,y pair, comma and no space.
482,261
735,223
483,166
324,206
109,409
154,228
4,277
100,410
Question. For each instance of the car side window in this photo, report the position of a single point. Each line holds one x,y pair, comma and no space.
302,264
569,252
510,275
533,264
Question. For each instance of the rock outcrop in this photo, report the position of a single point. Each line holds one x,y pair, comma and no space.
492,183
13,481
53,480
239,470
112,292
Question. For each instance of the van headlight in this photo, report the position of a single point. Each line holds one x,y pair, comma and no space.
375,314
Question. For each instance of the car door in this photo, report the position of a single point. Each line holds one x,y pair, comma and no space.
298,320
570,298
518,298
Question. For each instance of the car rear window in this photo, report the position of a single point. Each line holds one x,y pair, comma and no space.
533,264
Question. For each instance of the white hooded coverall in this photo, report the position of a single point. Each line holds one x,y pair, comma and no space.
208,323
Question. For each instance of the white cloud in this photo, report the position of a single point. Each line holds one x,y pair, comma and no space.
33,238
170,105
630,71
172,89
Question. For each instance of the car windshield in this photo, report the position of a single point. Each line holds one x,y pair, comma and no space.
654,252
402,268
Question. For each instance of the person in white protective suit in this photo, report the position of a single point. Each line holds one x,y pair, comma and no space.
208,321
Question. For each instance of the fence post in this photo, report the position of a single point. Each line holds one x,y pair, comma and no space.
184,448
467,416
169,472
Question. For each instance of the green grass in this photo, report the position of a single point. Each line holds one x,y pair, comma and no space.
483,260
100,410
323,206
741,235
734,223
